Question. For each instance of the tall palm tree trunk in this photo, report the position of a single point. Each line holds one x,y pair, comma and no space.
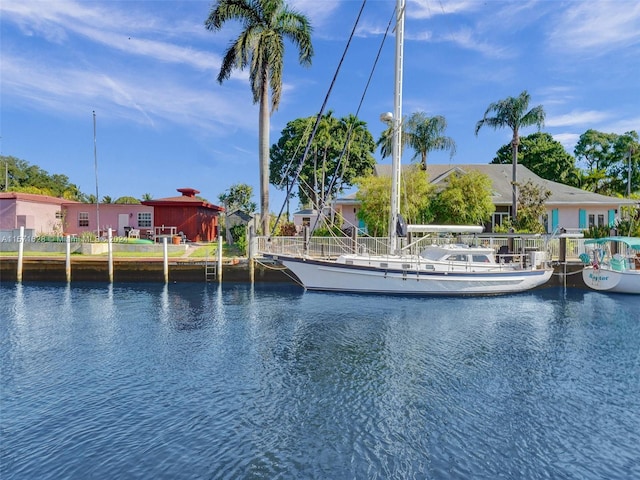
263,153
514,177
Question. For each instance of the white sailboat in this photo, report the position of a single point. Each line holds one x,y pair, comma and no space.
453,269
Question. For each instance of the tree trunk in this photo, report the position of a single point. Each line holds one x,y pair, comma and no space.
514,177
263,155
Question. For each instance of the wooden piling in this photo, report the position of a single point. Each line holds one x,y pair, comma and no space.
67,267
20,255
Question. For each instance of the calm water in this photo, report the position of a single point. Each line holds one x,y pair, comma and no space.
195,381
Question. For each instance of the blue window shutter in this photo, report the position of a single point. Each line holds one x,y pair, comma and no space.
554,219
612,218
582,218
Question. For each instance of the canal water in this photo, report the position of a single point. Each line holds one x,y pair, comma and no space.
193,381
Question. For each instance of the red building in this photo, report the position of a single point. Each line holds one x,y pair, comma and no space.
194,217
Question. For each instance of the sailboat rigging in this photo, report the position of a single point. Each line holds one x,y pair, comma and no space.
451,269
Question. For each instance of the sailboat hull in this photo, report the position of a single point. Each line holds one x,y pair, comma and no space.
331,276
606,279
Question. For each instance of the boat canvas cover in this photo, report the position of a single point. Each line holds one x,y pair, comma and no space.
631,242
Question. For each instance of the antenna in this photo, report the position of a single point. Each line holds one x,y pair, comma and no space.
95,164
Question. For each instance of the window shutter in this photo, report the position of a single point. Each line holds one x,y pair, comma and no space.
554,219
582,218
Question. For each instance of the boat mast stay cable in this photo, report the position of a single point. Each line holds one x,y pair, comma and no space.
320,208
319,117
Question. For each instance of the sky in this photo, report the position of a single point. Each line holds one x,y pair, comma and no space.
148,69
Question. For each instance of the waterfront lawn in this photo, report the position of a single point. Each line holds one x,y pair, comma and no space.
211,250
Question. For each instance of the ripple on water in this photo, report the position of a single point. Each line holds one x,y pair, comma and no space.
189,381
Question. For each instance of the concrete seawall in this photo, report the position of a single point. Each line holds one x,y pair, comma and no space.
185,270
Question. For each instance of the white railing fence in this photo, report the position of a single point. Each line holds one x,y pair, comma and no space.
331,247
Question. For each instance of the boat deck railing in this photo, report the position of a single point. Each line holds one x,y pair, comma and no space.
332,247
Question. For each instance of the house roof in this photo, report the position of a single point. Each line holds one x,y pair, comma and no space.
306,212
500,175
35,198
188,198
244,216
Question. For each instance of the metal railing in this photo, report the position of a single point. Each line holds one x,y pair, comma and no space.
332,247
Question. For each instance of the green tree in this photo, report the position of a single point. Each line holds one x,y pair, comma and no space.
107,199
238,197
513,112
146,196
127,201
531,203
594,150
260,46
415,200
623,168
341,150
466,200
20,176
544,156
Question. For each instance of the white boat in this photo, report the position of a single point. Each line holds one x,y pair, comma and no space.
609,271
436,270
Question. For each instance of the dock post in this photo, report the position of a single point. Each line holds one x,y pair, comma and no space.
20,254
67,268
219,259
165,254
562,254
110,253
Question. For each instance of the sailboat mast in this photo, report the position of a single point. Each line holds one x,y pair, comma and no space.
396,153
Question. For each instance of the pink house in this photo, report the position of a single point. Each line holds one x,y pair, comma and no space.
38,214
83,217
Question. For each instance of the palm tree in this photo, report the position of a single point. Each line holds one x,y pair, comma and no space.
512,112
425,134
385,142
260,46
422,133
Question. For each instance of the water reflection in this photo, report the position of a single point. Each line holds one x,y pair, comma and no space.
210,381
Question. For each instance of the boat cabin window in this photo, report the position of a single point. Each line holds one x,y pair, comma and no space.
457,258
481,259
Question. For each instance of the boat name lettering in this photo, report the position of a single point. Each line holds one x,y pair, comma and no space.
598,278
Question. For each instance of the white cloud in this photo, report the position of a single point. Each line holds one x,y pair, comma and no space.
140,99
318,12
467,39
597,26
421,9
568,140
577,118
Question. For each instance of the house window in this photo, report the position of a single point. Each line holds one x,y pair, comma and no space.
144,219
83,219
601,220
59,215
592,220
306,221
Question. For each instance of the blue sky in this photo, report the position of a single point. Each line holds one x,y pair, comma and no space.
148,69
